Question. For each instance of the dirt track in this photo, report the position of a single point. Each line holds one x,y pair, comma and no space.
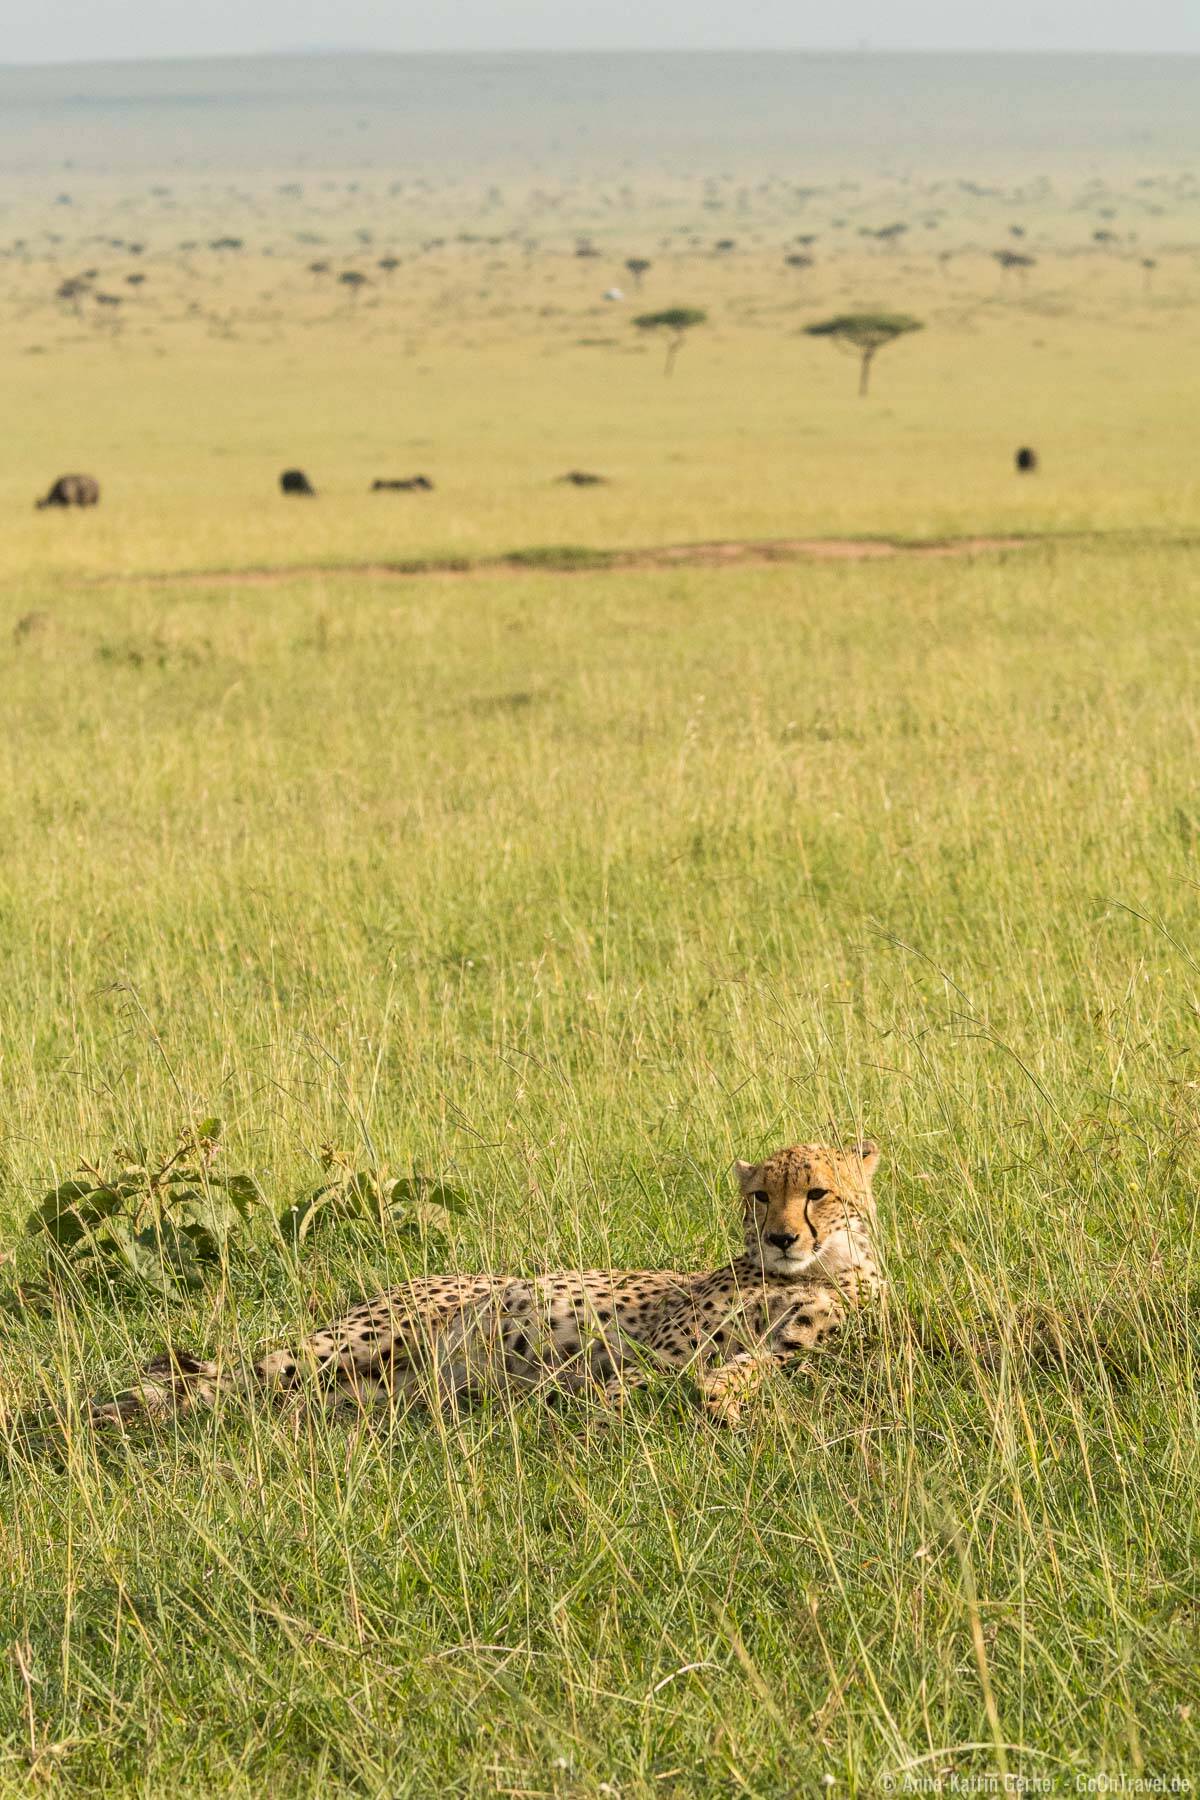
572,560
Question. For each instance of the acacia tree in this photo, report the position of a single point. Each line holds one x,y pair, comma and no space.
676,322
354,279
864,335
638,266
73,291
1014,261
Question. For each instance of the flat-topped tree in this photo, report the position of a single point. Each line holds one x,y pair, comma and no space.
864,335
676,322
638,266
1017,262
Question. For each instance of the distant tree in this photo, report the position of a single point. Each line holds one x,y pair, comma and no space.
676,322
389,264
318,268
638,266
354,279
1149,264
864,335
884,234
1014,262
797,260
72,291
724,245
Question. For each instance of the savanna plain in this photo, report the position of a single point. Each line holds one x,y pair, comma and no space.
540,849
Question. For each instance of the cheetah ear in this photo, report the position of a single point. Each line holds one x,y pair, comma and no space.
744,1171
868,1155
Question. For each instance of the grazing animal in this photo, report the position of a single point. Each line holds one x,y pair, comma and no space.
808,1221
582,478
73,490
409,486
1026,460
295,481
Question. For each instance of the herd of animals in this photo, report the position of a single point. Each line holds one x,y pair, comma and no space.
84,490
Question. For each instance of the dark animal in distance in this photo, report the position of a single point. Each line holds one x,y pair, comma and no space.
582,478
1026,460
409,486
73,490
295,481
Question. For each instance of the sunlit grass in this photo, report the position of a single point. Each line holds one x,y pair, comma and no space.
574,887
571,883
494,370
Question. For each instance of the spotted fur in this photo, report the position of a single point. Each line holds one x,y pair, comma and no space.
809,1218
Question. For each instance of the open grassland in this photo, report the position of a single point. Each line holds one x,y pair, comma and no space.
185,342
567,881
571,888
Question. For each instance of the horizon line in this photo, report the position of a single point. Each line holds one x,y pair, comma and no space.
368,52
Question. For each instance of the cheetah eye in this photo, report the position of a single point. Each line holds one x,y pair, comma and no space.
761,1196
817,1193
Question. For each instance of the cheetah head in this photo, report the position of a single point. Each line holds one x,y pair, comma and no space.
810,1214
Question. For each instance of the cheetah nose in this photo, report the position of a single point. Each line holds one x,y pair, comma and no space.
782,1240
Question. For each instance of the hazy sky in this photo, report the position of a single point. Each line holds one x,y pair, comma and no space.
79,30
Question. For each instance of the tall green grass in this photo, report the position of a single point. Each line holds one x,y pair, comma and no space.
573,887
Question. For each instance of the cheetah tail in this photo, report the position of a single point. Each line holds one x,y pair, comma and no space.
175,1382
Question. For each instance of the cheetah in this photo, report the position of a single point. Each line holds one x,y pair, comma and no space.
809,1218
